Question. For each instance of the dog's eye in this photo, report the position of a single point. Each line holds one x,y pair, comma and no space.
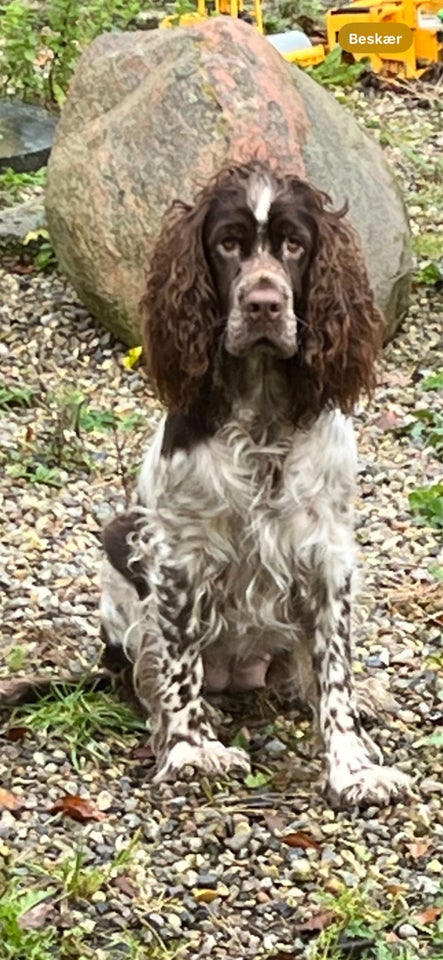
230,245
292,247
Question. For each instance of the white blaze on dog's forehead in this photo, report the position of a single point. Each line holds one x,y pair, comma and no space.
260,197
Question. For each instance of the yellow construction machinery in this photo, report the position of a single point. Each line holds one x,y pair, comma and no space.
423,17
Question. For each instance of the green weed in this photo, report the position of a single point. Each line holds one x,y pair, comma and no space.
72,412
16,659
436,570
425,428
426,504
14,186
41,44
42,251
433,382
335,72
74,880
33,472
71,881
357,927
290,12
429,247
19,943
430,274
60,444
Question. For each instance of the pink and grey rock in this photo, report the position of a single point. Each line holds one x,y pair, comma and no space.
151,116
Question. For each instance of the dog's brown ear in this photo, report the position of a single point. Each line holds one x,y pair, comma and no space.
179,308
344,327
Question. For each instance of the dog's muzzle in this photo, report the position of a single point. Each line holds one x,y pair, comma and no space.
262,311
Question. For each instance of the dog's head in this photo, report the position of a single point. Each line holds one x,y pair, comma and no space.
259,263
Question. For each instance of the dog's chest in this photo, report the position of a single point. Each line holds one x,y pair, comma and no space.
248,524
228,529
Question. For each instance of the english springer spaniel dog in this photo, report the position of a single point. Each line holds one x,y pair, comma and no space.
234,568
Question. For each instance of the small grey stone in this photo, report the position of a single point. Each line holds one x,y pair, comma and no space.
207,881
101,908
275,747
156,919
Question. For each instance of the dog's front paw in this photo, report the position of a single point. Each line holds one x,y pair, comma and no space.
210,758
371,785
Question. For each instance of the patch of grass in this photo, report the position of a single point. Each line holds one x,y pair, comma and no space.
17,943
84,719
426,429
429,195
14,396
99,421
77,881
404,139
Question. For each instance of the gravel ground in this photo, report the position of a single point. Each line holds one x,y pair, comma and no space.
238,870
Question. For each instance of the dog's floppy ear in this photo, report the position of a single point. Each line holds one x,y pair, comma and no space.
344,327
179,307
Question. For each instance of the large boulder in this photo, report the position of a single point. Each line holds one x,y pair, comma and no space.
151,116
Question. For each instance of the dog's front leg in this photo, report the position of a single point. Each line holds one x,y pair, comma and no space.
168,679
353,777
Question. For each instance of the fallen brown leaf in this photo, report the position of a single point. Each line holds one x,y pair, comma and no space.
126,886
9,801
274,823
37,917
300,839
78,808
418,849
143,752
282,955
395,378
317,923
22,269
395,888
389,421
427,916
14,734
